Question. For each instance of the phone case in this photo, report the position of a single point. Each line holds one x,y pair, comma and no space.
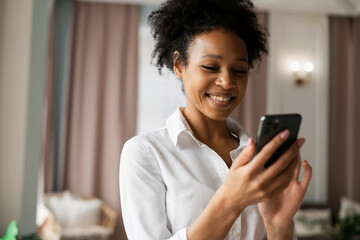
270,126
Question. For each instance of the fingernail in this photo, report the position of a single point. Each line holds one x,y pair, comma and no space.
249,142
285,134
301,142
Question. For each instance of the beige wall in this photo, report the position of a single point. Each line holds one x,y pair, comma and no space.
23,44
302,38
15,36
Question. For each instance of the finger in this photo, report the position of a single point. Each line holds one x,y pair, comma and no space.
284,177
293,165
307,175
279,183
269,149
280,189
298,167
286,160
245,155
277,190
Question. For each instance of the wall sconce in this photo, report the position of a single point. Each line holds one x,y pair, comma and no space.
301,73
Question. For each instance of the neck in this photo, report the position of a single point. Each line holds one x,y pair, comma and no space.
205,129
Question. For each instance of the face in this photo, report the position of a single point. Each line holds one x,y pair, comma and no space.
215,77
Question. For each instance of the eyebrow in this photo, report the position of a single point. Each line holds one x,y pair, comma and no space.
220,57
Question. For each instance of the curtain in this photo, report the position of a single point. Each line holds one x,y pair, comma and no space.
46,172
102,100
344,155
56,96
253,106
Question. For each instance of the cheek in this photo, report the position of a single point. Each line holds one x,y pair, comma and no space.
242,88
197,85
244,85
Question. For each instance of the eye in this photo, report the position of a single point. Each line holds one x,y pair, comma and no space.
210,68
240,72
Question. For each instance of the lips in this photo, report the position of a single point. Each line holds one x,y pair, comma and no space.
220,99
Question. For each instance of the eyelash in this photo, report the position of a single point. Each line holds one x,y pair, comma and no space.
210,68
215,69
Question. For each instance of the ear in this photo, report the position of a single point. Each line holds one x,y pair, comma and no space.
178,64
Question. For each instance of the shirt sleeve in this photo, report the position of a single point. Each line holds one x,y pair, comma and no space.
142,195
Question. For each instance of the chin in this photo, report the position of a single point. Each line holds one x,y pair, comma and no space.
218,116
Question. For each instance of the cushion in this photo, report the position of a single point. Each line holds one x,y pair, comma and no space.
348,207
70,211
86,232
42,213
312,222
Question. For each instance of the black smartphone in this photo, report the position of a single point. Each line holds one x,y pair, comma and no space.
270,126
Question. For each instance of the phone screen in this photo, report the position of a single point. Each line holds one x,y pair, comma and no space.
270,126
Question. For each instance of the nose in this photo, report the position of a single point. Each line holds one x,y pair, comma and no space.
225,80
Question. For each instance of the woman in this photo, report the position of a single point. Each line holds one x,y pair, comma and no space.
193,179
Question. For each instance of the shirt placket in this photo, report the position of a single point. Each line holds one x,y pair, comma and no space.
222,170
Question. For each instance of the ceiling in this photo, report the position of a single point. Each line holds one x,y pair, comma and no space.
333,7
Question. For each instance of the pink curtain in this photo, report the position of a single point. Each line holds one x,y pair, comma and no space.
253,106
103,100
46,172
344,142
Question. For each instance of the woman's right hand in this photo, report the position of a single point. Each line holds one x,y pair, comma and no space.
248,183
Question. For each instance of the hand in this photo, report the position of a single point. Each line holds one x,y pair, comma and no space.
278,211
251,183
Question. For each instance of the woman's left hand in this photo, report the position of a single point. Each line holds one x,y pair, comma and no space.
278,211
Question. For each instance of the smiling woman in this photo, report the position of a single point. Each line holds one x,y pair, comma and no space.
215,77
195,172
215,80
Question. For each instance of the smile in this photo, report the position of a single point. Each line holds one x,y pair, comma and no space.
221,99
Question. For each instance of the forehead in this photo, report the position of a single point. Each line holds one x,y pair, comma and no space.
220,42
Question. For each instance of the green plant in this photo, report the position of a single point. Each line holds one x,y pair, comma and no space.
347,228
33,236
12,231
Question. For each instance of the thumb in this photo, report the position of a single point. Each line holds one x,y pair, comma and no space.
245,155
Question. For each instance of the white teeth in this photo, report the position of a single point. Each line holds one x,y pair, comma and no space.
221,99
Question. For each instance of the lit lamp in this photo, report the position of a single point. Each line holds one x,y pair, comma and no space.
301,72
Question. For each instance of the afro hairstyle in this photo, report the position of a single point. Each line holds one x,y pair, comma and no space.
177,22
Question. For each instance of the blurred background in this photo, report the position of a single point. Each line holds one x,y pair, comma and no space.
76,82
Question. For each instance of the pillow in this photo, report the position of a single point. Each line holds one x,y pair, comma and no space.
348,207
70,211
42,213
312,222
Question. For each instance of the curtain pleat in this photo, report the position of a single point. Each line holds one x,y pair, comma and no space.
46,178
253,106
344,156
103,99
52,168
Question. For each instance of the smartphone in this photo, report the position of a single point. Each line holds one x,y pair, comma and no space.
270,126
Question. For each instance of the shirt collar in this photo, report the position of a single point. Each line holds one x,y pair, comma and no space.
238,131
176,125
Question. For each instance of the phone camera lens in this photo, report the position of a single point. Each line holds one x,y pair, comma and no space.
276,124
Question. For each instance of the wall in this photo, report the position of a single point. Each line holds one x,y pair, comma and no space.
23,38
15,35
159,96
303,38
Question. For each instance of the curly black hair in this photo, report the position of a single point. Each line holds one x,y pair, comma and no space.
177,22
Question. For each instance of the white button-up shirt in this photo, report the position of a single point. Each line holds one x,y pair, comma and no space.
167,177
